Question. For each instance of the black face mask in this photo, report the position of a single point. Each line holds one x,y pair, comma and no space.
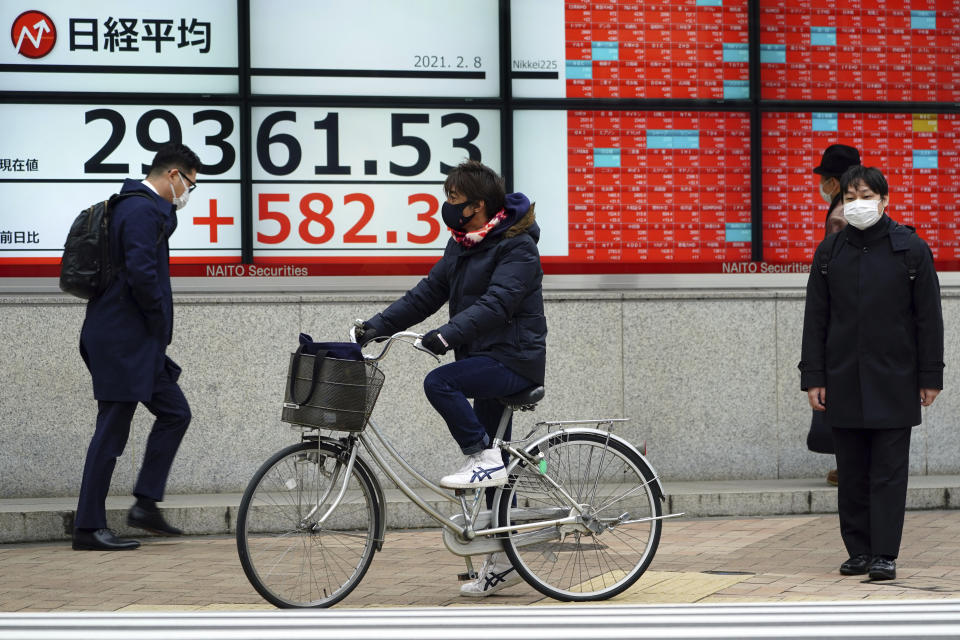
453,217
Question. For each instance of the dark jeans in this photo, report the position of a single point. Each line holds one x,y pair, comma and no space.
483,379
110,438
872,465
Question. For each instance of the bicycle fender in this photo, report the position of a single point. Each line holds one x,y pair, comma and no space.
602,433
364,468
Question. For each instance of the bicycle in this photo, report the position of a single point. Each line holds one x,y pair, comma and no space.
579,516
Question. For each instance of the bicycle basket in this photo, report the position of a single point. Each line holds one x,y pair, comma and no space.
340,396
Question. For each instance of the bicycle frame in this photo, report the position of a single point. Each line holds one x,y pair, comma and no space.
466,531
373,438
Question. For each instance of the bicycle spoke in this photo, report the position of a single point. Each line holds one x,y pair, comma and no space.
623,496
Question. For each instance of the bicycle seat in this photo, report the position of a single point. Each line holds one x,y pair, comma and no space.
526,400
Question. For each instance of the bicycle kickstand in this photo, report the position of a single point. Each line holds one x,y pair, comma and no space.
470,518
471,574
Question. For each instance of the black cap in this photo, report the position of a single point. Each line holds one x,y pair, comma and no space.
837,159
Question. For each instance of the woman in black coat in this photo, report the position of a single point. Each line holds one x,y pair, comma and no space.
873,338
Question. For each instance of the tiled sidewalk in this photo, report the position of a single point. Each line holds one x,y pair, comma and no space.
699,560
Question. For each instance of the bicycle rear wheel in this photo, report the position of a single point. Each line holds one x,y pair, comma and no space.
606,551
290,559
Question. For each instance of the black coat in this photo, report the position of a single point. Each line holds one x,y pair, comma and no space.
872,336
495,295
127,329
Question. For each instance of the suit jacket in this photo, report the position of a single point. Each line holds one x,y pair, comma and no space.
127,329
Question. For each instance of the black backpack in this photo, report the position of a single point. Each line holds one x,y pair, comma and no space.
899,240
85,269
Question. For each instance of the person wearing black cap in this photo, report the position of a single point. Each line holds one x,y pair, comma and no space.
873,339
837,158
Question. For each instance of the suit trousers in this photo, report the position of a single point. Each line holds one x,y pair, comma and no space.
172,413
872,467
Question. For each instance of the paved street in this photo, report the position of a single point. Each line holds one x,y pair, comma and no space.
705,560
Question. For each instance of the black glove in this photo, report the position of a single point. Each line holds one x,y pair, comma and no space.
365,333
435,343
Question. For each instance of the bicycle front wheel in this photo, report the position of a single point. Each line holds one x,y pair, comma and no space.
289,557
610,545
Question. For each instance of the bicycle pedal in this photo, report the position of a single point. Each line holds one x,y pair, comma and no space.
468,576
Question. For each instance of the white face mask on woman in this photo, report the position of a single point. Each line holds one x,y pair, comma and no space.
180,201
862,213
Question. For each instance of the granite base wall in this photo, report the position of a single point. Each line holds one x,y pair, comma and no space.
708,380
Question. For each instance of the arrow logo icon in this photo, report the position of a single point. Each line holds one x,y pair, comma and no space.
41,27
34,34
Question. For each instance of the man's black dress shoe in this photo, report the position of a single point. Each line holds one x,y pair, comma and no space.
101,540
883,568
855,565
151,520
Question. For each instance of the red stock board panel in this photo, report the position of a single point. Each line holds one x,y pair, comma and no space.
884,50
677,50
918,154
643,191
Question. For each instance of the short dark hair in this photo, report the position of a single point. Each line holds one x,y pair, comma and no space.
175,156
477,181
870,176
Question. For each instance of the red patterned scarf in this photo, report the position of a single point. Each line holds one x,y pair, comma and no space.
472,238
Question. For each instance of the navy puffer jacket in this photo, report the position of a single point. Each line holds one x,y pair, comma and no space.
495,294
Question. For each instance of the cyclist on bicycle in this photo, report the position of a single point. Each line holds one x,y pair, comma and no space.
491,278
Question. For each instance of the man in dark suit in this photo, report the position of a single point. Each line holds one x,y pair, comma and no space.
123,343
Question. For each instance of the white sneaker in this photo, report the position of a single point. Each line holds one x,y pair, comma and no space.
483,469
497,573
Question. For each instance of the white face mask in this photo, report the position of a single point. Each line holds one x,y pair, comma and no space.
862,213
828,198
181,201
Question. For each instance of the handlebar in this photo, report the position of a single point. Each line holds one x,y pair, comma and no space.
409,337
